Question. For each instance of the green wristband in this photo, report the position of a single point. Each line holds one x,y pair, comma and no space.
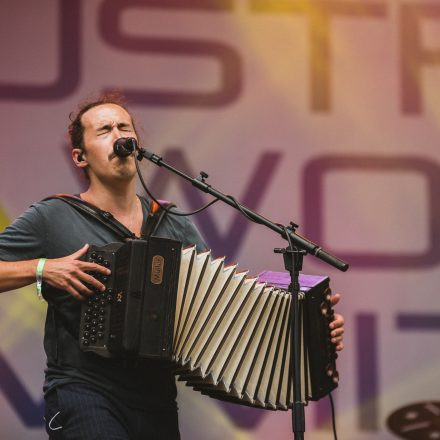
39,276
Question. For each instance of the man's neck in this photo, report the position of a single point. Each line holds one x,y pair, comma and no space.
117,199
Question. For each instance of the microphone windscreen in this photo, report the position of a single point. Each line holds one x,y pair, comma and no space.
123,147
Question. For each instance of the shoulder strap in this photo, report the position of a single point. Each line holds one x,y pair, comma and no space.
103,217
155,217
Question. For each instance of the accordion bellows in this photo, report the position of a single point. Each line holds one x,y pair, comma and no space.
231,335
228,335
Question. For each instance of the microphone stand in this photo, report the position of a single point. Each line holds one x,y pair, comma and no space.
293,260
293,254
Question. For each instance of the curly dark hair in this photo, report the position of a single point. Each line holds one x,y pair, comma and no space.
76,129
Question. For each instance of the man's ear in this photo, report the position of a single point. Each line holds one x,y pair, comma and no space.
78,156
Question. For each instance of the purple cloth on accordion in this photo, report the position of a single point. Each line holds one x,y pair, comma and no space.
282,279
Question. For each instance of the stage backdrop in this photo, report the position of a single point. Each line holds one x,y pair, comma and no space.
325,113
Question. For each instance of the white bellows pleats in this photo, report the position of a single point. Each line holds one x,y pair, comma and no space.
231,334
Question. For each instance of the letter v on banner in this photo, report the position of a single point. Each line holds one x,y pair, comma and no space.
229,243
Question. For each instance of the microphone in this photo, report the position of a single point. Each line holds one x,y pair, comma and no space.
123,147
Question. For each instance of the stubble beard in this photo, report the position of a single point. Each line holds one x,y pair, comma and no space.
123,167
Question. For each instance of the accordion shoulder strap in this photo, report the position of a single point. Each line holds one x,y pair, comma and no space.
103,217
155,216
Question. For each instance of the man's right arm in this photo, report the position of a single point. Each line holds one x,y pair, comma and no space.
16,274
68,273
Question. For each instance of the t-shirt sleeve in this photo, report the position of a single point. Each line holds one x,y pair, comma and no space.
193,236
183,229
25,238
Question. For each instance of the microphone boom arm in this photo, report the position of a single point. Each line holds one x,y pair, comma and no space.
298,240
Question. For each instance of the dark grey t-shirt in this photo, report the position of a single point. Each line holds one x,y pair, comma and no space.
54,229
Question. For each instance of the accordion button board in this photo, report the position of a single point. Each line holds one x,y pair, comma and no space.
133,316
95,311
228,335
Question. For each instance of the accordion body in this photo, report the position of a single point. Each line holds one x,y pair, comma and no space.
229,336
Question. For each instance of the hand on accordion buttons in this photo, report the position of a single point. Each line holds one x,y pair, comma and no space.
70,273
337,325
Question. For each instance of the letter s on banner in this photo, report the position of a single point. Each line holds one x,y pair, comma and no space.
228,59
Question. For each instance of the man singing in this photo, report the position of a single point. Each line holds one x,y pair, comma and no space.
88,396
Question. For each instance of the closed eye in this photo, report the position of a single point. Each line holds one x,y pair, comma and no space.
104,129
123,126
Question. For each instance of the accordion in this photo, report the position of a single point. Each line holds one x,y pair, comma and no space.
229,336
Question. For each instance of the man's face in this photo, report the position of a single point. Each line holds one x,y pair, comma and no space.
104,124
